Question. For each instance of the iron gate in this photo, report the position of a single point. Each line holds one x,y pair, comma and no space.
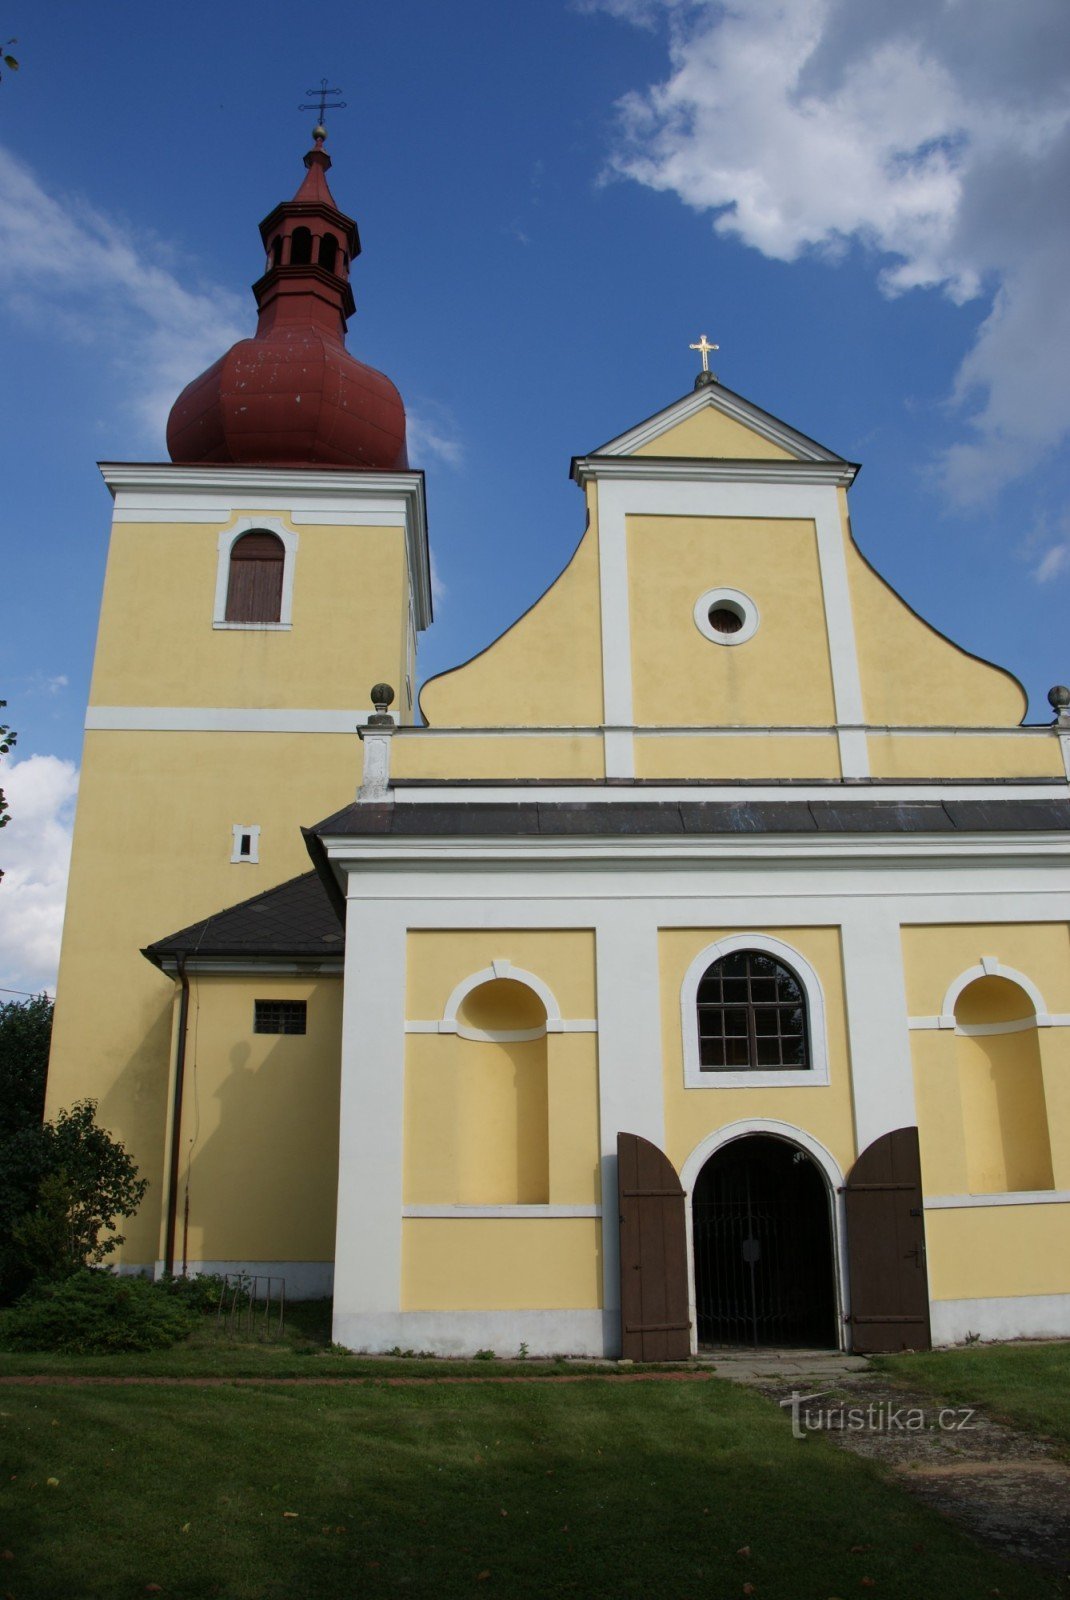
763,1247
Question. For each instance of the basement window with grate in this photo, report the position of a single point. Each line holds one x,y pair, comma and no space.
280,1016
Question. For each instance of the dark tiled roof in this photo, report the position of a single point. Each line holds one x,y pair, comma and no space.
627,817
294,919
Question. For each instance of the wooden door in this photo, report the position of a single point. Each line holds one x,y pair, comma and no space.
654,1320
886,1247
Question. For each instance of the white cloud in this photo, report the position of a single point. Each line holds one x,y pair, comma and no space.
35,853
1056,560
65,264
936,133
431,432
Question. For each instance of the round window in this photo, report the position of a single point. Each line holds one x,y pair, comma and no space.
727,616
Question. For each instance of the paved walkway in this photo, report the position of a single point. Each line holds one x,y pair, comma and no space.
794,1368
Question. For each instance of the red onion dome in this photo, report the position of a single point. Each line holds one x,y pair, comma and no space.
292,395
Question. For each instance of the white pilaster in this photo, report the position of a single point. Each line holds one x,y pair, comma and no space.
367,1275
631,1097
877,1022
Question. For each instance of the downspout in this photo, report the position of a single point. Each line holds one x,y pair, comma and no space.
176,1120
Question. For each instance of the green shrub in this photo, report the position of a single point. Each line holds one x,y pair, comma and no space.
95,1313
200,1293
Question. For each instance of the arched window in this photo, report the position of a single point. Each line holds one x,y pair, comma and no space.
300,247
328,251
751,1016
254,588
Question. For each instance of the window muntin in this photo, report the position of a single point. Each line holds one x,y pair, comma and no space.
752,1016
280,1016
254,588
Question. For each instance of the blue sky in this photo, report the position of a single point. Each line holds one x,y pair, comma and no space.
864,204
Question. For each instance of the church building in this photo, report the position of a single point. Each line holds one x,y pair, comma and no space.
690,967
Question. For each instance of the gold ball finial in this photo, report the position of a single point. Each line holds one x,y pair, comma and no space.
319,131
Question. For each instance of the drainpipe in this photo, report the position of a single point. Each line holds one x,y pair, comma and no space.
176,1121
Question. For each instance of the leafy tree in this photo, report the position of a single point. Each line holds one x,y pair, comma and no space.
7,740
25,1036
63,1187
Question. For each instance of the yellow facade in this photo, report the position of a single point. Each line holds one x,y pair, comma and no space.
495,1264
678,676
258,1144
157,645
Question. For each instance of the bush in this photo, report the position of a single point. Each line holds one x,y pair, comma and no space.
95,1313
201,1293
63,1186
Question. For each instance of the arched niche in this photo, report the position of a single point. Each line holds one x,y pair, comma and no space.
1001,1086
478,1116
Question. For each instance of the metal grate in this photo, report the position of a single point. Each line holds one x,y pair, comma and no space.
751,1015
763,1248
280,1016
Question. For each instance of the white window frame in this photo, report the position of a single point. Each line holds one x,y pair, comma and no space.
816,1075
239,831
736,599
228,537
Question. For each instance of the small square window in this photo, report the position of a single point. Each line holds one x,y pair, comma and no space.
280,1016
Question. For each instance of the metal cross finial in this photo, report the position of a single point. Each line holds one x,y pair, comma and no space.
705,347
322,102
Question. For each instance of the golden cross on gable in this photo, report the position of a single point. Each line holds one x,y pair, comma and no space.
705,347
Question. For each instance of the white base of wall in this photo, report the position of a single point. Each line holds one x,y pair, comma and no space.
305,1280
462,1333
1027,1316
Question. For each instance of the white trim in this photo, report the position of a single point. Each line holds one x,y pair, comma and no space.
239,831
489,793
371,1114
221,719
602,469
941,855
501,968
225,543
736,601
615,606
504,1213
1026,1316
619,752
462,1333
1011,1197
631,1095
815,1075
502,1035
712,397
830,1170
874,984
992,967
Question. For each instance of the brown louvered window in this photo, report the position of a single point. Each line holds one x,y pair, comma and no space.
752,1016
254,592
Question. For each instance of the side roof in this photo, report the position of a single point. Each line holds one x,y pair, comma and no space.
297,918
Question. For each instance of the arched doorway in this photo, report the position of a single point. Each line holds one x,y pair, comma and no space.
763,1247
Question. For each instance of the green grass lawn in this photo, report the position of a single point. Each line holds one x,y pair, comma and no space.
534,1489
1024,1384
303,1351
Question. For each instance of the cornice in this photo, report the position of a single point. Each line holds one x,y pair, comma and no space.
699,469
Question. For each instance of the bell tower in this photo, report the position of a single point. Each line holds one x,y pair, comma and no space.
257,585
